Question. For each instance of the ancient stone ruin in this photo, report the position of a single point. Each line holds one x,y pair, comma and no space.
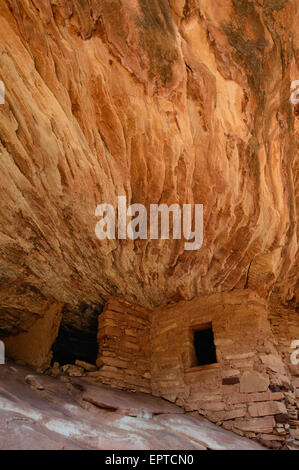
225,356
161,102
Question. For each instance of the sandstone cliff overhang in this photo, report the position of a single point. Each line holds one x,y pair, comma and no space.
161,101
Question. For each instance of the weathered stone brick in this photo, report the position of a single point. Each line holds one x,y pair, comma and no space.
258,425
254,397
253,381
267,408
230,381
227,415
273,362
282,418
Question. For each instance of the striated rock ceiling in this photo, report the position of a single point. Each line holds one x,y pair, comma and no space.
164,101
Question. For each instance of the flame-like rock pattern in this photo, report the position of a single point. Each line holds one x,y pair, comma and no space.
164,101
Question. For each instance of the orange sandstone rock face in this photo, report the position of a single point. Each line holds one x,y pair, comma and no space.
162,101
34,346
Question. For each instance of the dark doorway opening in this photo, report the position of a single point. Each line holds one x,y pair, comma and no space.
72,345
77,337
204,347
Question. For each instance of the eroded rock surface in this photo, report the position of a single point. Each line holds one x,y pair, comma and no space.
39,412
164,102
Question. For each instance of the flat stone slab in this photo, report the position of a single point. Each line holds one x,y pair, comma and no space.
38,412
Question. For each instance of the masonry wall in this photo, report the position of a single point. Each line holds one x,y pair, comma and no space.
247,390
251,390
284,321
124,346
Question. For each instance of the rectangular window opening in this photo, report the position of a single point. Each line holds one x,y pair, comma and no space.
204,345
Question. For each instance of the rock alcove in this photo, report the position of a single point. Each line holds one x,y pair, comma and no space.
164,101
